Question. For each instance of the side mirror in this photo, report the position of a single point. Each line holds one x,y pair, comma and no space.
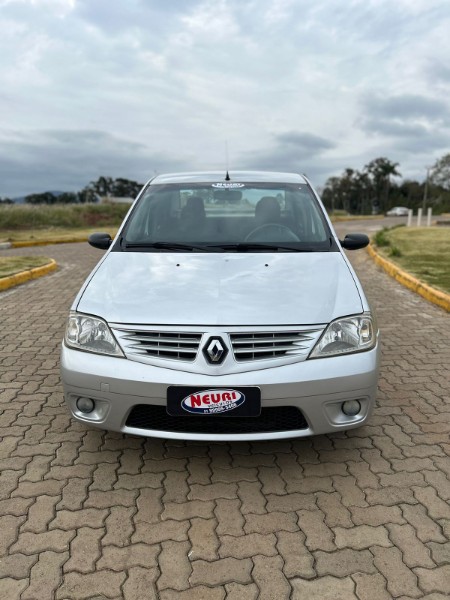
355,241
100,240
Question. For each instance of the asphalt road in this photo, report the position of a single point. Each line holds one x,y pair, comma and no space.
87,514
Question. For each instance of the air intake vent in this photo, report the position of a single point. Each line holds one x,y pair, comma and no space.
271,419
160,344
266,345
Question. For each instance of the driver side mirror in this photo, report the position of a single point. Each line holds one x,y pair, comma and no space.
100,240
355,241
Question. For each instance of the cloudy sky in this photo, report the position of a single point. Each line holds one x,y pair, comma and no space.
135,87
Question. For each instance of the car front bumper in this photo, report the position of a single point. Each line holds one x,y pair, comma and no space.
316,387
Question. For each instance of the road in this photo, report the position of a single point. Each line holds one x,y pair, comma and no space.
87,514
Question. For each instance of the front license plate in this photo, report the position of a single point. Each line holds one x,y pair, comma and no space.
215,401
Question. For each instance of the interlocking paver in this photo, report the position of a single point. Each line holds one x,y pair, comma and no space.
126,557
371,587
318,535
229,517
415,553
119,526
45,576
219,572
175,566
252,499
343,562
325,588
434,580
246,546
16,565
361,537
203,538
85,586
140,584
252,520
269,577
400,579
33,543
238,591
298,561
188,510
84,550
336,514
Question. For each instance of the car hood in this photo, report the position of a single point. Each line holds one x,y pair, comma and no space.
221,289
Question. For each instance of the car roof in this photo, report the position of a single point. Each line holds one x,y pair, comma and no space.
234,176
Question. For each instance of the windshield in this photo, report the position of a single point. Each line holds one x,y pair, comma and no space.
214,217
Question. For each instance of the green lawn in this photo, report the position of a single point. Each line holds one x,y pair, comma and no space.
10,265
424,252
53,233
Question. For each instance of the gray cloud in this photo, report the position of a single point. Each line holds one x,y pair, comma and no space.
125,88
68,160
413,124
291,151
407,106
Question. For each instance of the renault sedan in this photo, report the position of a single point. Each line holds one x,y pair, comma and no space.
224,309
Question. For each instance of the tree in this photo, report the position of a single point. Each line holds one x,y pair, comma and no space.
44,198
380,171
67,198
87,194
440,172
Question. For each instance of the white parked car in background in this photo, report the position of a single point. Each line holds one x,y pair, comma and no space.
224,309
398,211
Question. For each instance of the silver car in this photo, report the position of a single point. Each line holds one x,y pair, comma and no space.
398,211
224,309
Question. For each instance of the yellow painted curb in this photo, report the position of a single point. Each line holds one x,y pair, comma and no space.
426,291
29,243
23,276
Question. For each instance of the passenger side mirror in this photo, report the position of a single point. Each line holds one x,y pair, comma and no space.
355,241
100,240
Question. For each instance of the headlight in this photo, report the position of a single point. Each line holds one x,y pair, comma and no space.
90,334
345,336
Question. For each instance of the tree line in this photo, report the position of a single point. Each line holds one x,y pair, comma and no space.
103,187
375,189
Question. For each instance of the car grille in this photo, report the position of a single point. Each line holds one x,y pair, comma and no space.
265,345
160,344
271,419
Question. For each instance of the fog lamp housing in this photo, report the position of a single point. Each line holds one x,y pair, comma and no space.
85,405
351,408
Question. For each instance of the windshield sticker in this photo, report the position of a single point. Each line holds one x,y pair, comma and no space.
228,186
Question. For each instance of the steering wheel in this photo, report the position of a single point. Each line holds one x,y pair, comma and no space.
272,232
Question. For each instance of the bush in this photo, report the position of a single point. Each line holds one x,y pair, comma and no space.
395,252
380,238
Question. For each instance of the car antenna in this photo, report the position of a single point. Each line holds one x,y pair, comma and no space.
227,175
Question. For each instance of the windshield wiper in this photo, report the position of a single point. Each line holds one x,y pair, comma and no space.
246,247
167,246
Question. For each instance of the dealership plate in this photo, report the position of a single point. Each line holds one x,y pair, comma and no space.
216,401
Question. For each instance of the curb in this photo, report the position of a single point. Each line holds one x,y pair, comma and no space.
46,242
426,291
29,243
24,276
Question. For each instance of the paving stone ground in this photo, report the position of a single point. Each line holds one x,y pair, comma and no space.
86,514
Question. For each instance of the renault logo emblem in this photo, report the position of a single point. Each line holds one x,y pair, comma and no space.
215,350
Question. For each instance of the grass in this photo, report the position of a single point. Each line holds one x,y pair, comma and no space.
52,233
335,218
65,216
10,265
424,252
